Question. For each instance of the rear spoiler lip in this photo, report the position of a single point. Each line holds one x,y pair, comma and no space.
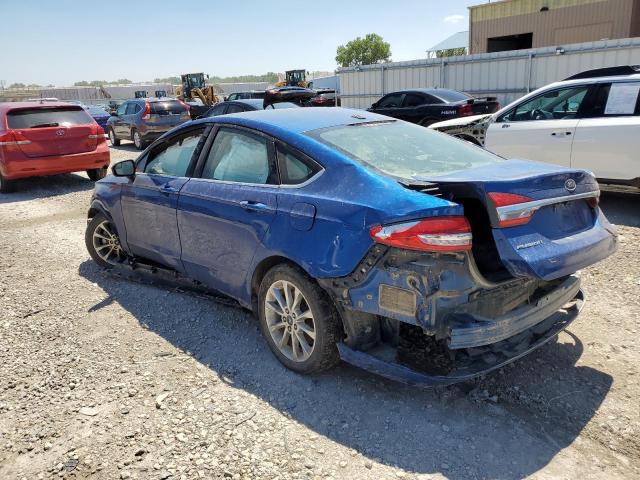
485,99
504,212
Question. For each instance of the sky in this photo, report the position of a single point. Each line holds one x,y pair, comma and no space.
65,41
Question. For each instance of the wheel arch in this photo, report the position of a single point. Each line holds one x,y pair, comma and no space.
261,270
96,208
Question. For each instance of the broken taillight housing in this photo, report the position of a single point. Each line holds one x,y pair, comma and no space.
438,234
509,217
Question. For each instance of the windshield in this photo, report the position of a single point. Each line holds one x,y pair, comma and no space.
403,149
451,95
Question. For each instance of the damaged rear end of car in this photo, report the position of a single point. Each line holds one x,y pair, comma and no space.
444,297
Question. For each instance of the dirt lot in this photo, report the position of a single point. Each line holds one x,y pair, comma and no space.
102,377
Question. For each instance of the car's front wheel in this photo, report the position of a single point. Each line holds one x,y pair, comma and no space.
96,174
298,320
112,138
137,140
103,242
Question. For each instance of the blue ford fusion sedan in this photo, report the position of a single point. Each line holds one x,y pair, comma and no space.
355,236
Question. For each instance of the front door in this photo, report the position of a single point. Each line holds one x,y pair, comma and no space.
119,123
389,105
224,215
541,128
150,200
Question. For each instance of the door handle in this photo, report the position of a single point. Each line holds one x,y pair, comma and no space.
560,134
250,205
166,188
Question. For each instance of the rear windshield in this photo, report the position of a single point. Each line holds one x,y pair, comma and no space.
404,150
164,108
48,117
451,95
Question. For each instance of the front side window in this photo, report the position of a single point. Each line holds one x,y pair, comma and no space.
561,104
402,149
390,101
122,108
174,159
293,168
239,156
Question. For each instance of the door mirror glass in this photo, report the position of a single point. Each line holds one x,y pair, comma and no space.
126,168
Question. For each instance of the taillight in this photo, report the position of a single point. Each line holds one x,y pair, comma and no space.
509,217
593,202
98,135
147,111
13,138
438,234
465,110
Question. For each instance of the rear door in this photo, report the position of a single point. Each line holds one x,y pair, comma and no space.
150,200
224,215
53,130
541,128
409,110
607,140
119,122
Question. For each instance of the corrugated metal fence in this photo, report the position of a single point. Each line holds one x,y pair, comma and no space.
507,75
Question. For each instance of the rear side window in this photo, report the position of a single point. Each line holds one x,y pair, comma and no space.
234,109
294,169
413,100
174,158
131,109
166,108
238,156
48,117
217,110
617,99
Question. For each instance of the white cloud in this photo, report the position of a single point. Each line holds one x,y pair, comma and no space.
453,19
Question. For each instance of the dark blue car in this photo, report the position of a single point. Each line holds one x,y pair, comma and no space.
351,235
99,114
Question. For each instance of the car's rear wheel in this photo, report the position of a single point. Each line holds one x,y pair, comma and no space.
96,174
425,122
298,320
6,186
103,242
112,138
137,140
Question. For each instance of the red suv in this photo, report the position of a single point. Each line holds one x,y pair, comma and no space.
38,139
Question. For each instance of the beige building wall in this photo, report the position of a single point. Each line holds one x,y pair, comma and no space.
565,21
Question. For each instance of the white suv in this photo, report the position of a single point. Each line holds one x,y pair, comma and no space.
590,121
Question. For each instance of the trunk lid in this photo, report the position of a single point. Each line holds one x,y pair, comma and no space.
565,230
168,114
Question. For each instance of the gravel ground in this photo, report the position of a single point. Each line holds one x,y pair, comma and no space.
103,377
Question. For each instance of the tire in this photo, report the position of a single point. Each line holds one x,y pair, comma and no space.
6,186
137,139
96,174
425,122
295,325
112,138
96,227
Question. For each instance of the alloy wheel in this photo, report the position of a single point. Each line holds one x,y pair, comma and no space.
290,321
107,244
112,137
137,140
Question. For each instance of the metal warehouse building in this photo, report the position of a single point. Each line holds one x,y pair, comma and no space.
523,24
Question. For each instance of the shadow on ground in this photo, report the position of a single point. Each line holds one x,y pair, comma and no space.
43,187
452,430
126,146
621,208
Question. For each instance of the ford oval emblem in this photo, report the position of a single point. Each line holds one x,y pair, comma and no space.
60,132
570,185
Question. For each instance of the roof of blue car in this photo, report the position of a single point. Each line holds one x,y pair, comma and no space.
298,120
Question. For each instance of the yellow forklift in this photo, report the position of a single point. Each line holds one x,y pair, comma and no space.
294,78
194,88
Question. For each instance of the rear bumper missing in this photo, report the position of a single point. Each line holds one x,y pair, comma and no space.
502,353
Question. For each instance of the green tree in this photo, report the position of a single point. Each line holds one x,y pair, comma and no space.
170,80
17,85
363,51
123,81
451,52
82,83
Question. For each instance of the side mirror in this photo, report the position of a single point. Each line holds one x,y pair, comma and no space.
126,168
